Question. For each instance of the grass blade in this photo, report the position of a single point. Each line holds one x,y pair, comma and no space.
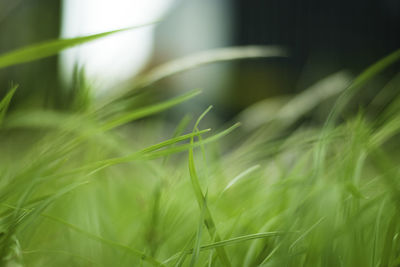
344,98
5,102
229,242
284,112
361,80
99,165
146,111
196,60
179,131
241,176
208,220
197,243
182,255
232,241
22,215
49,48
185,147
207,57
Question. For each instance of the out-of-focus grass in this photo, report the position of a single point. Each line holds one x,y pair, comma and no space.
90,188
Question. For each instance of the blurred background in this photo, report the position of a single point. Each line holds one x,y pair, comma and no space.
321,37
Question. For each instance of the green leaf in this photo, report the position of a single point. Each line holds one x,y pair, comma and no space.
207,57
49,48
228,242
208,219
194,61
239,239
343,100
5,102
182,255
180,148
139,155
361,80
147,111
197,243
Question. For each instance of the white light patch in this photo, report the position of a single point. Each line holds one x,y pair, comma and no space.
112,59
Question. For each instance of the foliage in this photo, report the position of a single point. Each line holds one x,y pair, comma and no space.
86,187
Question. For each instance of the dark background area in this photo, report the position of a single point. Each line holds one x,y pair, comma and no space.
25,22
322,37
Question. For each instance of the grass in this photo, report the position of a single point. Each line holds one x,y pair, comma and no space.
97,187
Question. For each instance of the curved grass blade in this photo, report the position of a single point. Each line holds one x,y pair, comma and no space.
193,61
240,176
197,243
179,130
270,255
147,153
208,220
232,241
185,147
99,165
182,255
387,131
153,151
229,242
49,48
21,215
344,98
302,236
359,81
5,102
200,140
152,233
146,111
207,57
285,111
52,198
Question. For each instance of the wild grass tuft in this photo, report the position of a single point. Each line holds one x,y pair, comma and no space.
97,187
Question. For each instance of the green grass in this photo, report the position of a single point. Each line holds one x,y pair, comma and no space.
104,186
